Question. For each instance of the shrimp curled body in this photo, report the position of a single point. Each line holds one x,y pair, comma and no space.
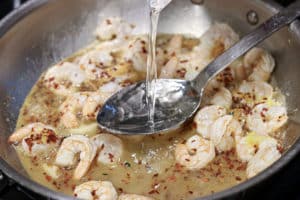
196,153
36,138
96,190
110,148
68,150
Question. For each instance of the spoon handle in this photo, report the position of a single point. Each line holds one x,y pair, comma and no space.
265,30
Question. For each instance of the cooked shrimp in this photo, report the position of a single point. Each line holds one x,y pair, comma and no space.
89,129
189,65
216,40
175,45
206,117
169,70
244,149
82,104
222,98
223,79
93,104
254,91
36,138
96,190
110,88
266,155
247,146
265,119
71,107
100,58
196,153
114,28
133,197
110,148
161,58
137,52
223,131
94,62
259,64
258,150
65,78
238,69
70,147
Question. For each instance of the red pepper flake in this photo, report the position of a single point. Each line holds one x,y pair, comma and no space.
178,167
205,180
191,192
108,22
56,86
153,192
102,147
144,50
280,149
126,83
125,181
48,178
120,190
51,137
218,173
73,187
184,61
262,114
111,157
238,178
172,178
242,167
29,142
105,75
181,72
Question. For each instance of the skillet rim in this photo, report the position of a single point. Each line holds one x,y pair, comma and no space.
15,16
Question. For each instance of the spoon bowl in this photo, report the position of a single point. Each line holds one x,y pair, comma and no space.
126,112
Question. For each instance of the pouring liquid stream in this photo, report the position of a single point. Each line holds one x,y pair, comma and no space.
156,6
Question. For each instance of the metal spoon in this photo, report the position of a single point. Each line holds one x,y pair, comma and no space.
126,112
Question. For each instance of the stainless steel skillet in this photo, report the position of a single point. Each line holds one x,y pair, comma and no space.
42,32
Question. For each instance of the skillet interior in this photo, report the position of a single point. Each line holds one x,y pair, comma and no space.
60,27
